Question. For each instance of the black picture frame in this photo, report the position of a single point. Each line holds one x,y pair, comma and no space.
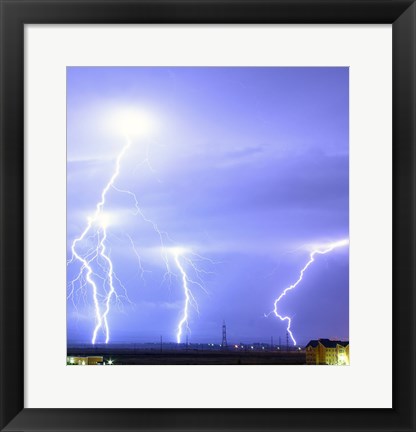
14,15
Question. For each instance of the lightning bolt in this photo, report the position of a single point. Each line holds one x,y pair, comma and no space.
96,233
98,219
320,251
188,297
180,255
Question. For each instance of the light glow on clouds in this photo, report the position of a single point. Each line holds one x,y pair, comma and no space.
131,121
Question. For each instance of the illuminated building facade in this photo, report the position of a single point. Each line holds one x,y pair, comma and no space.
83,361
327,352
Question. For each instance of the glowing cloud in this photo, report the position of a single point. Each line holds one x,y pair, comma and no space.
133,122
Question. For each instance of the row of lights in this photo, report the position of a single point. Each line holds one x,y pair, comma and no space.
72,361
252,347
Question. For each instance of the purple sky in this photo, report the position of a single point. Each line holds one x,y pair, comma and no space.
247,167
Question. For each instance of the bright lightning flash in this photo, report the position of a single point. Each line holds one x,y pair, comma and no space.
319,251
181,255
97,226
132,122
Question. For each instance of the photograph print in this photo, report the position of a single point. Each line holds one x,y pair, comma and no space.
207,216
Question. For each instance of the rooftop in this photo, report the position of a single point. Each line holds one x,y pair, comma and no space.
327,343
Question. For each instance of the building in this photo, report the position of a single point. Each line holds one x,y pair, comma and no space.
82,361
328,352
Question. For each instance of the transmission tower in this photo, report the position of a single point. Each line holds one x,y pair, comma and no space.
224,336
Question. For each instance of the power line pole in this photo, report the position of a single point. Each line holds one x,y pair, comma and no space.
287,341
271,343
161,343
224,336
